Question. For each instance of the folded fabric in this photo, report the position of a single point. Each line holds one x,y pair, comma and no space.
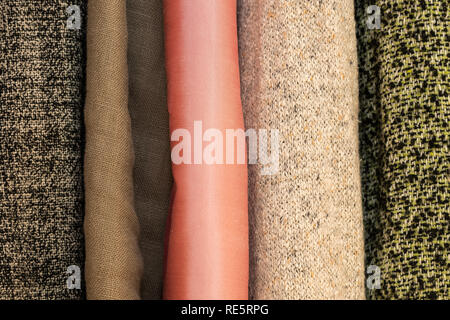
113,259
150,128
299,76
405,147
207,253
41,187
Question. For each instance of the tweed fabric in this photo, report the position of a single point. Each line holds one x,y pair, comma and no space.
113,260
41,196
404,136
299,75
150,128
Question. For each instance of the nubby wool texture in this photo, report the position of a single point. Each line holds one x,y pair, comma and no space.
41,185
113,258
299,76
404,136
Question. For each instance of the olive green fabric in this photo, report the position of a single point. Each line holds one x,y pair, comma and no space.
404,147
150,129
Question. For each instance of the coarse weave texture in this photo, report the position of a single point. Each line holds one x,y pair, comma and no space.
299,75
41,195
150,128
113,260
404,134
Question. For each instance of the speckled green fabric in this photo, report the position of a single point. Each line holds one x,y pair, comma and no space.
404,146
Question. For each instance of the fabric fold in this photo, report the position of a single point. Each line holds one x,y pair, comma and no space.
150,128
41,140
404,136
299,78
113,258
207,253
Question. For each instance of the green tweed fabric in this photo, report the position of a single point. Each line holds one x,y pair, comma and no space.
404,146
41,186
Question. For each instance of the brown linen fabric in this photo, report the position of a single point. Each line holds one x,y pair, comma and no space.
299,75
113,260
150,128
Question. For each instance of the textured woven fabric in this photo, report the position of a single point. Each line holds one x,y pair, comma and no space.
404,134
113,260
150,128
299,75
41,197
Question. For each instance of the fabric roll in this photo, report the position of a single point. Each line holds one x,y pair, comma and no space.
299,76
150,128
405,143
369,130
41,186
207,253
113,259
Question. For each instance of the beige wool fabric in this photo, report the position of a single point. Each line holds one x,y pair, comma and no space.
113,260
299,75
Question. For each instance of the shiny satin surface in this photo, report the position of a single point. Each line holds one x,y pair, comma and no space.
207,253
